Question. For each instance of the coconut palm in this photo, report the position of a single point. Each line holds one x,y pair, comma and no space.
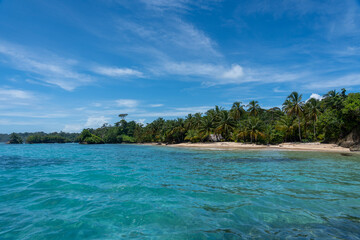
273,111
206,127
286,125
313,106
293,106
242,130
237,110
255,128
225,124
193,136
253,107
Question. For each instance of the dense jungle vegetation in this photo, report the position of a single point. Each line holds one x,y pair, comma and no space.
327,120
39,137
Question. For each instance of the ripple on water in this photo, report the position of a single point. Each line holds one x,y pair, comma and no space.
143,192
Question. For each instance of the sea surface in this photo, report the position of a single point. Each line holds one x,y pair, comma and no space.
71,191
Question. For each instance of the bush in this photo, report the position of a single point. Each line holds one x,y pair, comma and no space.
15,139
127,139
86,137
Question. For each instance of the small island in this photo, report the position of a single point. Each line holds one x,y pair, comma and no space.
15,139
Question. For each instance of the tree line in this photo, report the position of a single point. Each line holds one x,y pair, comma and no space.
327,119
39,137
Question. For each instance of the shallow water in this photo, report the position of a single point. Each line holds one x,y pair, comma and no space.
72,191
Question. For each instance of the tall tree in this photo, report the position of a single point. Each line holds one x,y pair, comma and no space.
313,106
255,128
237,110
293,106
206,127
225,124
253,107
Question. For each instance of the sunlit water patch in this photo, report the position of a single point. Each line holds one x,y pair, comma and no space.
75,191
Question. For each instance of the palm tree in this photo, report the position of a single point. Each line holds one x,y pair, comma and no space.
313,111
286,125
192,135
293,106
237,110
206,127
253,107
255,128
225,124
272,111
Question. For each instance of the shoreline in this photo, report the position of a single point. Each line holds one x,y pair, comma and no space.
315,147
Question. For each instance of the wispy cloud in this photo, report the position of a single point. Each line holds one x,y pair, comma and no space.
45,67
156,105
179,5
11,94
173,112
127,103
91,122
117,72
337,18
10,98
217,74
172,37
350,80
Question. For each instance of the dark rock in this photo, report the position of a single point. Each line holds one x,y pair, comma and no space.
351,140
355,148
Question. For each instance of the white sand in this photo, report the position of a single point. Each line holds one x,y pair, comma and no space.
286,146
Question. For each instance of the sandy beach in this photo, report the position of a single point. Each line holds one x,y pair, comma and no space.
284,146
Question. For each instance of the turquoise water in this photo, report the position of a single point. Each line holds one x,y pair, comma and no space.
75,191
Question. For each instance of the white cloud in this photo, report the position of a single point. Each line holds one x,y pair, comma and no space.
222,74
92,122
8,122
127,103
188,36
117,72
44,66
179,5
25,114
141,121
166,4
156,105
315,96
13,94
95,122
173,112
174,35
235,72
10,98
341,82
73,128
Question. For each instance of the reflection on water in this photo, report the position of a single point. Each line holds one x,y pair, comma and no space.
146,192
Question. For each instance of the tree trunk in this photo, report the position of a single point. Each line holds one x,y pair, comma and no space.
299,129
314,131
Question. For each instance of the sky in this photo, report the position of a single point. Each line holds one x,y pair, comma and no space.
67,65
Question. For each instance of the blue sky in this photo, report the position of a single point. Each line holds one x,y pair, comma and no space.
66,65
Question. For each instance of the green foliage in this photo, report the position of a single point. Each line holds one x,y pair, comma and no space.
327,120
127,139
193,136
46,139
70,137
15,139
86,137
351,110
